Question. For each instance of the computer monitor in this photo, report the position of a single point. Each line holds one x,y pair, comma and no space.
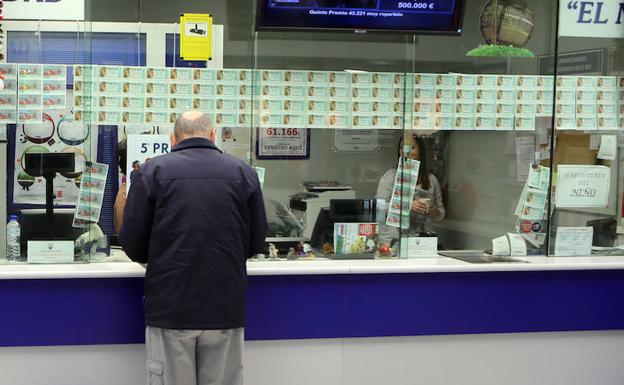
43,164
47,165
605,231
341,211
352,210
36,225
323,231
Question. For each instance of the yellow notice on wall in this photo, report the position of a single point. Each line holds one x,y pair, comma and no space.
195,36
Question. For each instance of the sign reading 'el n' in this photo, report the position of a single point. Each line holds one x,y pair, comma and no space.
592,18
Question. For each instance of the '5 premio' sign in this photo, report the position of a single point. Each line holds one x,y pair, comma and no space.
603,18
44,10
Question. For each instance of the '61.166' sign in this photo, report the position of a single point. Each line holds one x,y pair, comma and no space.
603,18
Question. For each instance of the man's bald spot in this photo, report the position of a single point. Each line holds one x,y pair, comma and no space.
192,124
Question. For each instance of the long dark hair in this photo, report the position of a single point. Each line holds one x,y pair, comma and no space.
122,155
423,174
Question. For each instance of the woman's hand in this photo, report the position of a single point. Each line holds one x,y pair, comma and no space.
420,206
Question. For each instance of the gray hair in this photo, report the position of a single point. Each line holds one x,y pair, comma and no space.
192,124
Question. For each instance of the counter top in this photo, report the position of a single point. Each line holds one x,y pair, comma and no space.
120,267
430,265
78,270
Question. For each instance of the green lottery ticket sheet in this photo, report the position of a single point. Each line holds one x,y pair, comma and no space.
532,204
91,195
336,99
405,183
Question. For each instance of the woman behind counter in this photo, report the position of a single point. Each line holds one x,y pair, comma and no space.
120,199
427,205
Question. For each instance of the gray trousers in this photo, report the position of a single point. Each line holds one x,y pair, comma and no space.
194,357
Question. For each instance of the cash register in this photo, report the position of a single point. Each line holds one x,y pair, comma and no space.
48,224
360,211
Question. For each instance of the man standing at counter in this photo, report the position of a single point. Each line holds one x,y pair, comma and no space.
194,216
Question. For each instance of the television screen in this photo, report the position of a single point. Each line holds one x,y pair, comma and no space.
417,16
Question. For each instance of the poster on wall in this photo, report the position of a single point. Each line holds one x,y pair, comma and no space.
356,141
141,149
196,36
283,143
57,133
573,63
583,186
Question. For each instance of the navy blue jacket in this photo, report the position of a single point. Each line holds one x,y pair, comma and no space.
194,216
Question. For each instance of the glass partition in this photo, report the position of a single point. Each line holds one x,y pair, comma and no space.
486,146
479,129
330,112
369,145
587,164
50,157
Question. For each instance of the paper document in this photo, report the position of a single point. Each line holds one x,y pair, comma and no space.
419,247
517,246
608,147
594,141
572,241
525,149
582,186
500,246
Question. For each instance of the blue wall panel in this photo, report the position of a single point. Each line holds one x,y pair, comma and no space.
470,303
71,312
291,307
109,311
435,304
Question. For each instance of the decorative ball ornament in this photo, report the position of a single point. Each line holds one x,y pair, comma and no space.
507,22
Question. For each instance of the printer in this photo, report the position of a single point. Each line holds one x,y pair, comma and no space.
307,204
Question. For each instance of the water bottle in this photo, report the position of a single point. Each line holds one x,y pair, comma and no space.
13,239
